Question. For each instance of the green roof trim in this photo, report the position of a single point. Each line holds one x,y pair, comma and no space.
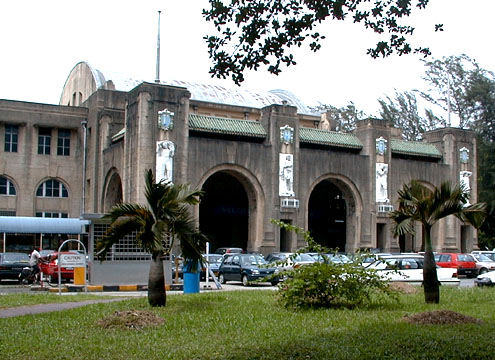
414,148
329,138
218,125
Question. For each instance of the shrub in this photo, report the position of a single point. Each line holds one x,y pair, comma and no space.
322,285
328,284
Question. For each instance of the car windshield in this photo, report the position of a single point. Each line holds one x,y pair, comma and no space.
214,258
304,257
46,252
481,257
338,258
465,257
253,260
10,258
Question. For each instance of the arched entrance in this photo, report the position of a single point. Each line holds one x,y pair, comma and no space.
327,215
113,191
224,211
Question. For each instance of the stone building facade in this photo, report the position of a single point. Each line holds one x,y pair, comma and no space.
256,156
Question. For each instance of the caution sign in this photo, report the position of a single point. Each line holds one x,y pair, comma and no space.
72,260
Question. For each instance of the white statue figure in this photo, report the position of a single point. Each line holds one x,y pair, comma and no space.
286,175
381,182
464,181
165,151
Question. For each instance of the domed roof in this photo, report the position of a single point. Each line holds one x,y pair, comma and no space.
200,92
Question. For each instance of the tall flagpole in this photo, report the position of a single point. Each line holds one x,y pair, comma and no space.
448,100
157,79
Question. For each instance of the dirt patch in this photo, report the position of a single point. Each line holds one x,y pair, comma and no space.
404,288
130,319
441,317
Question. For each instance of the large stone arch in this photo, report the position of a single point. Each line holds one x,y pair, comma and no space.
255,197
112,193
354,207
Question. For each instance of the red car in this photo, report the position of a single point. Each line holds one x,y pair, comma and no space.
464,263
50,268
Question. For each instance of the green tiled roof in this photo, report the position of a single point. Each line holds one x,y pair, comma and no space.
218,125
329,138
414,148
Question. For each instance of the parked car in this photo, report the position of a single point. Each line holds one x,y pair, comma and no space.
464,263
11,264
483,263
50,268
409,268
214,261
229,250
366,259
486,279
245,268
338,258
289,260
488,253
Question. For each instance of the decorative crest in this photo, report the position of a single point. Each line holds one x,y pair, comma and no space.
464,155
165,119
286,134
381,145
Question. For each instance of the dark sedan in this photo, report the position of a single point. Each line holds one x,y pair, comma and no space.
11,265
246,268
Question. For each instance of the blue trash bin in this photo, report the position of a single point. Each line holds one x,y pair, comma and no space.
191,282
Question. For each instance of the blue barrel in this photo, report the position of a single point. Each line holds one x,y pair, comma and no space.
191,282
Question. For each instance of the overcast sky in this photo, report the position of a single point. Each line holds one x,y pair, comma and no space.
41,41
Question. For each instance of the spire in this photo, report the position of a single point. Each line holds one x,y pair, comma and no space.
157,79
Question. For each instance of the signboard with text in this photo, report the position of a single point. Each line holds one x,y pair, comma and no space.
72,260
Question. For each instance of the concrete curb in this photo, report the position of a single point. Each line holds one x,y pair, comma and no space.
104,288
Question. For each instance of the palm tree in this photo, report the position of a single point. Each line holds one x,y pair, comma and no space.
418,203
166,216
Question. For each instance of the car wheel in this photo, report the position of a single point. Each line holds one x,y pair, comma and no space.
221,279
274,283
483,271
245,280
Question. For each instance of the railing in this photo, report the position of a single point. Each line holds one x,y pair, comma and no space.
289,203
384,209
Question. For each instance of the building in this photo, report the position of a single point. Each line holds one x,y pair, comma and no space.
256,156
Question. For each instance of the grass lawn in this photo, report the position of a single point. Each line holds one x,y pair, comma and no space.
252,325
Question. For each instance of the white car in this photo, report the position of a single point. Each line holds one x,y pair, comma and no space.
483,263
486,279
487,253
409,268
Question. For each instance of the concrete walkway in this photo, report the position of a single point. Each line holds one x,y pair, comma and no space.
43,308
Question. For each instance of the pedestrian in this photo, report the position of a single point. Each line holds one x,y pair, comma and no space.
34,261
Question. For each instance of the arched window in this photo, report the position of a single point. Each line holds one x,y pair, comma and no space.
6,187
52,188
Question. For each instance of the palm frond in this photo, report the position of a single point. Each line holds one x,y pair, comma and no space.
474,215
118,229
402,224
166,216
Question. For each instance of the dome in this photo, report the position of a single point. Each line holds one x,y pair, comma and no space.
92,79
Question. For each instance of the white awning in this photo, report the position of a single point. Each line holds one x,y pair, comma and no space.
39,225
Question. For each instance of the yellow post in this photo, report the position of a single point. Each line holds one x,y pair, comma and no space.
79,275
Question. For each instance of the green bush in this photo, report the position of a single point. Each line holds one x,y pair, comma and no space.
330,285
